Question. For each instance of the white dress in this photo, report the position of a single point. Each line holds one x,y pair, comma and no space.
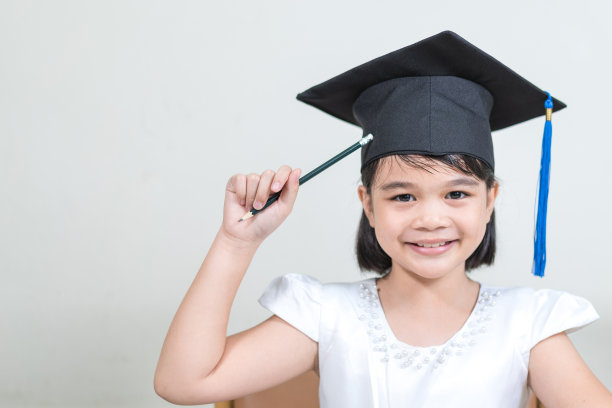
362,364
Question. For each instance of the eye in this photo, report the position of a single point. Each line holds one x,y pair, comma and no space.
404,197
456,195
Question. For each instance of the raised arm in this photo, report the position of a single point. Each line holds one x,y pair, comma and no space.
198,363
560,378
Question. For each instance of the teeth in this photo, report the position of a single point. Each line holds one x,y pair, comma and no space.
431,245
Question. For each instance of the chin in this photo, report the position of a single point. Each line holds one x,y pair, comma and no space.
431,271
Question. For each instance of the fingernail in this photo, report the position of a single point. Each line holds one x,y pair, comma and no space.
257,205
276,186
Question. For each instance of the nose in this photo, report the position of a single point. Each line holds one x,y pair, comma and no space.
430,216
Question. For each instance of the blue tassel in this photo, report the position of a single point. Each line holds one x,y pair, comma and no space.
539,239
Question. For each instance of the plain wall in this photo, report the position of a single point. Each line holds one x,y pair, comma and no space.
120,122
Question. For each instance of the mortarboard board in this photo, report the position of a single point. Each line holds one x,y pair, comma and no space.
441,95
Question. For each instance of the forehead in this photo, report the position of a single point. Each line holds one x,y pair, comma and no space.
417,168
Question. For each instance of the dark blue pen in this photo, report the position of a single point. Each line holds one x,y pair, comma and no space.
364,140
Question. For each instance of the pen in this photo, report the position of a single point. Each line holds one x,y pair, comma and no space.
364,140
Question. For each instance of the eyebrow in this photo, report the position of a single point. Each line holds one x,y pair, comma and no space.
463,181
395,185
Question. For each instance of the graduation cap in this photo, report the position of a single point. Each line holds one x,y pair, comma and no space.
441,95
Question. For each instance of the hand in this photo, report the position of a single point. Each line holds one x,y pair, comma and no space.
244,192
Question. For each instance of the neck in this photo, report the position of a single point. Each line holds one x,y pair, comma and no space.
452,289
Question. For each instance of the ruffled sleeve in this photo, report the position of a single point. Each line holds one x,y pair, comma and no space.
295,299
555,312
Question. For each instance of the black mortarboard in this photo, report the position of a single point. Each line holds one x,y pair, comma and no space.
440,95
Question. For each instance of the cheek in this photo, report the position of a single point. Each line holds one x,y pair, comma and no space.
470,217
382,225
476,223
386,224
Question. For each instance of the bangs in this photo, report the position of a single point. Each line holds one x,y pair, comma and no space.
467,165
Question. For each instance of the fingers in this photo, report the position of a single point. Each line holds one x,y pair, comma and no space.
263,189
289,193
280,178
253,190
237,185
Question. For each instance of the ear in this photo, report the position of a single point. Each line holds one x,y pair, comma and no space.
366,202
491,197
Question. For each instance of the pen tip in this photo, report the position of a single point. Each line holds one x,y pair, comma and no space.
246,216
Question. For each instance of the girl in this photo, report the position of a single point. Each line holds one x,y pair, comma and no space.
423,333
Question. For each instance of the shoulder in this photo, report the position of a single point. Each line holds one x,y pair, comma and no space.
295,280
535,314
301,282
295,299
538,301
292,289
300,299
307,283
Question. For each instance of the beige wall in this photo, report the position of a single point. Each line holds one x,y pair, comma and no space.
120,122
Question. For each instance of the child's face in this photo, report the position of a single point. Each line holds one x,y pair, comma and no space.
428,221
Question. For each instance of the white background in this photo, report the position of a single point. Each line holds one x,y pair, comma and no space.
120,122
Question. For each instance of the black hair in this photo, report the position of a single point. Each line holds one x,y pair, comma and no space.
372,257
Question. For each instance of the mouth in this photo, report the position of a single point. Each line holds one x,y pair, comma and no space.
432,247
432,243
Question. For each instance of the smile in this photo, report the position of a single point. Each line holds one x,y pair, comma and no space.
426,245
432,248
